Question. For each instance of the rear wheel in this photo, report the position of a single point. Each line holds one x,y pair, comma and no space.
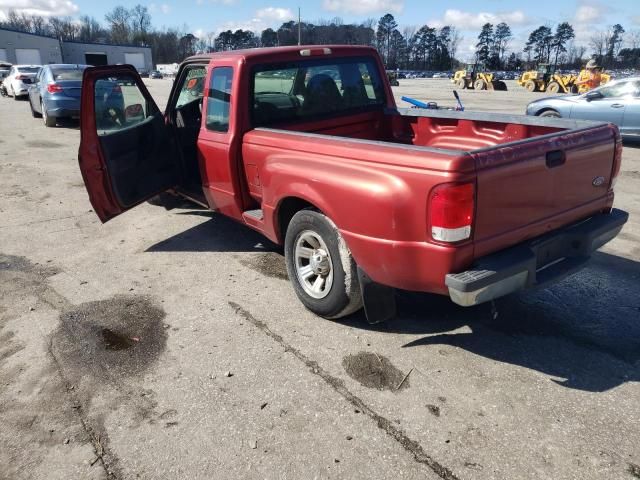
531,86
320,266
46,118
554,87
551,114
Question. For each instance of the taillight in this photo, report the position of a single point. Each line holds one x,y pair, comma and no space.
451,208
617,159
53,88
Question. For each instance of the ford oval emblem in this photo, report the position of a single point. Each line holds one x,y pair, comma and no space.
598,181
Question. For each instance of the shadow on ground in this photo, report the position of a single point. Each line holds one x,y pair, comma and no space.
585,330
217,234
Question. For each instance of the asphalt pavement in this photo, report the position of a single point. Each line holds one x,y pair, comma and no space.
170,345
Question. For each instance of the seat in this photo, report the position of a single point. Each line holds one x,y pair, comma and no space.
322,95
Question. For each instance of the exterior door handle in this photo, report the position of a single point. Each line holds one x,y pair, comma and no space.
617,105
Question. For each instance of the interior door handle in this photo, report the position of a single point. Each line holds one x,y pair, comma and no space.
617,105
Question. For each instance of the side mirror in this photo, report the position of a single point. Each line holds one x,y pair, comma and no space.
595,95
134,112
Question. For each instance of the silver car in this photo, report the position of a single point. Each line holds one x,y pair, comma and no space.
19,78
616,102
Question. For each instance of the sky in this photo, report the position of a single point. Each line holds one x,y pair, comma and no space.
201,16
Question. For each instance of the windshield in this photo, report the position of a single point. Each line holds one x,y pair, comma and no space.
67,73
299,91
28,69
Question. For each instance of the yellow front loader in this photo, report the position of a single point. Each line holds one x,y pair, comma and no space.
474,76
545,79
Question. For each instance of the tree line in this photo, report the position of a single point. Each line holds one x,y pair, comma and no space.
412,48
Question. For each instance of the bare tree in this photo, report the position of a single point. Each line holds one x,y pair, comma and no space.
118,22
598,42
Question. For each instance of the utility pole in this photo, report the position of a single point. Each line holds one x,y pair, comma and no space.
299,29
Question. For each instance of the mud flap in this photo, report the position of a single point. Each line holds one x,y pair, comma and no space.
379,300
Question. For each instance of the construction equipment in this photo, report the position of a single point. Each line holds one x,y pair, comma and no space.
475,76
546,79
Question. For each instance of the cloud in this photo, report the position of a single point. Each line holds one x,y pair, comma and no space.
589,14
275,14
263,18
44,8
474,21
153,8
363,7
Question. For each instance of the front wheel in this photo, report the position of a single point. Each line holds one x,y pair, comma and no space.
48,120
551,114
320,266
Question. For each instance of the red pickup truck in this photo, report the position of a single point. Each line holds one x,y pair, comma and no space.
306,145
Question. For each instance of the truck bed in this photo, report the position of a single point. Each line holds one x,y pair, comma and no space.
532,175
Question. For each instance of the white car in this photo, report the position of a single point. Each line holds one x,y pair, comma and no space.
19,79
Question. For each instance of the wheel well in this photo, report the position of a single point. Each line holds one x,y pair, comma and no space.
546,109
286,210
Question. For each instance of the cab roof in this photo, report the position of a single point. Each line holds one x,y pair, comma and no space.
275,52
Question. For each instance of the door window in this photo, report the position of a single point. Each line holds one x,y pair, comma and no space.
192,87
119,104
620,89
219,99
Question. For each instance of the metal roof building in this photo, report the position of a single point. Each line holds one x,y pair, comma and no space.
28,48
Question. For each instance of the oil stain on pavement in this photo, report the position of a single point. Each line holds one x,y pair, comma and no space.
117,337
374,371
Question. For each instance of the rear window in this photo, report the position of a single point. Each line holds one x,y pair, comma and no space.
67,73
308,89
28,69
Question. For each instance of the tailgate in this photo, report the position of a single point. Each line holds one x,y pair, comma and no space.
528,188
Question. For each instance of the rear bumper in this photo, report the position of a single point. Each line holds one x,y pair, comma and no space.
535,263
59,108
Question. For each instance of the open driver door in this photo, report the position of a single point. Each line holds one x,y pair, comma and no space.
126,154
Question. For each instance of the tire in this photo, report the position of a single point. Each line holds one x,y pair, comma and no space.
48,120
499,85
550,114
462,84
531,86
553,87
34,114
479,84
313,250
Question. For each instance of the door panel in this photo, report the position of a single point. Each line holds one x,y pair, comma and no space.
603,110
631,121
126,153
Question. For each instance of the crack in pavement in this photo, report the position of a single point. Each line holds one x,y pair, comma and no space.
98,447
337,384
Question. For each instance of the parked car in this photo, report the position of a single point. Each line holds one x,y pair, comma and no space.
363,196
4,70
55,92
617,102
18,80
155,74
